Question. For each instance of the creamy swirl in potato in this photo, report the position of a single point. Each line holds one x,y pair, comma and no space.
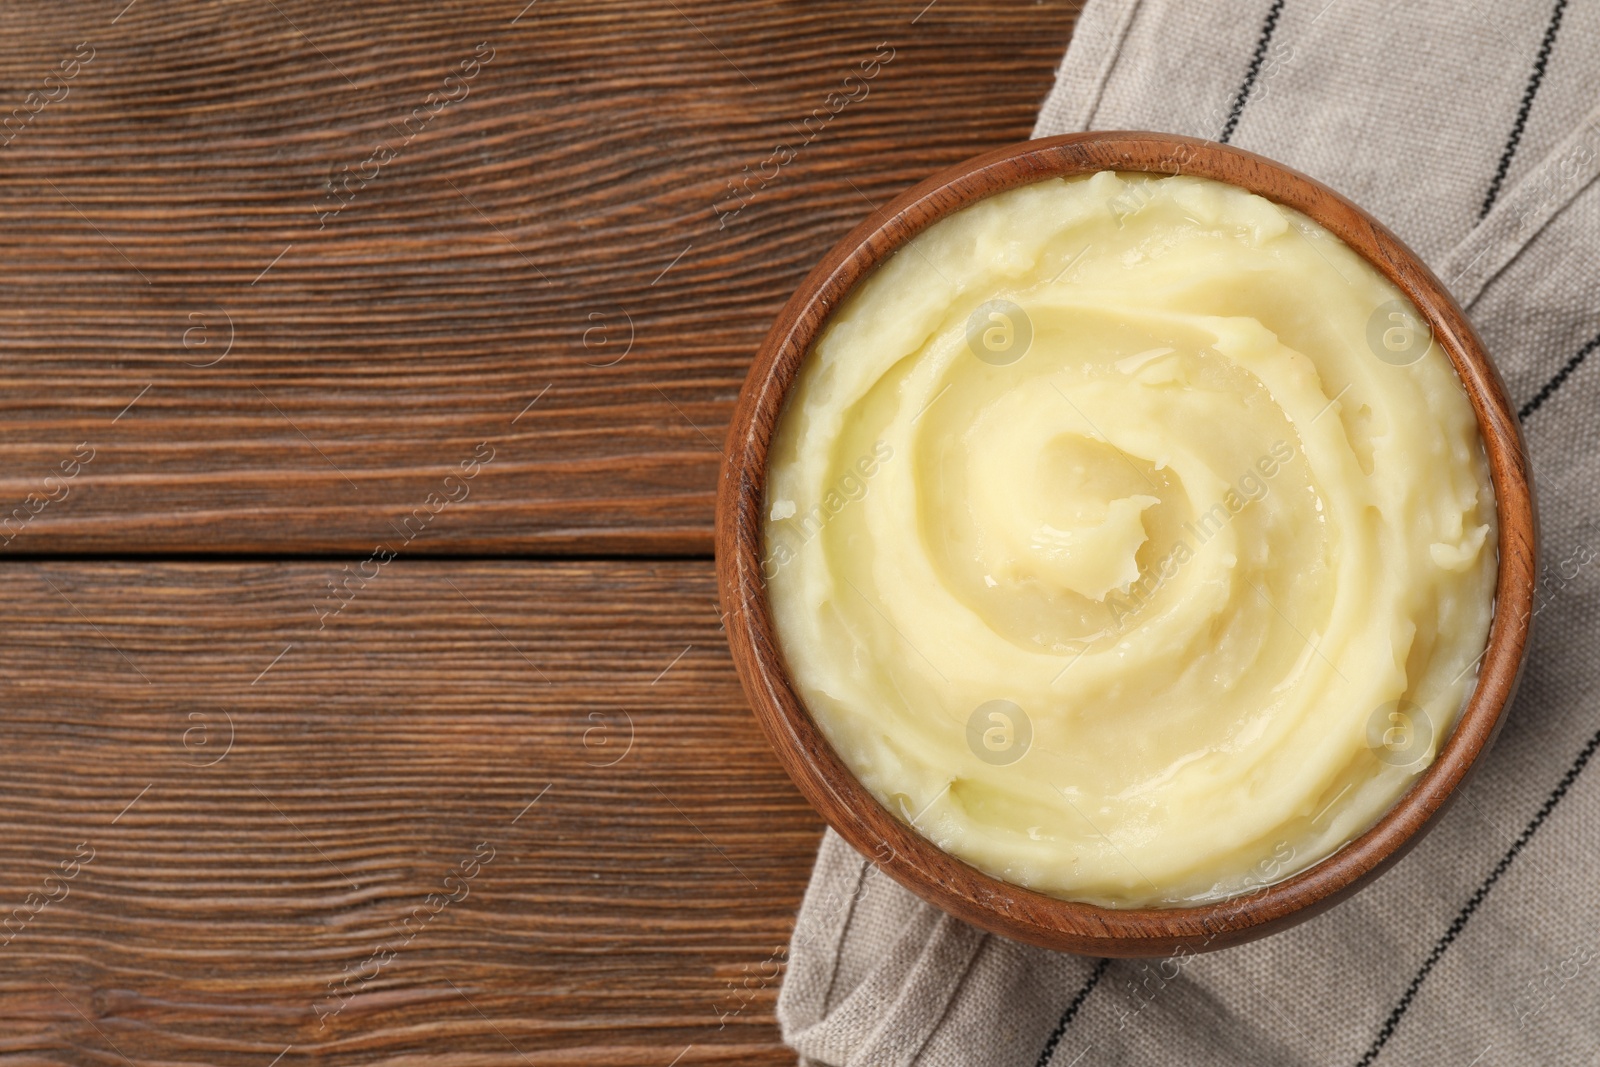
1129,538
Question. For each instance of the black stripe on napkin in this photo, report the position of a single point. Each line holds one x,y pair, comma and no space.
1262,44
1534,80
1555,797
1071,1012
1561,376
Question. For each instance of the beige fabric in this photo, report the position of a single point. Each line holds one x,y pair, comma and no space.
1408,108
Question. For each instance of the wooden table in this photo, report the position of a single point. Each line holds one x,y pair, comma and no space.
364,375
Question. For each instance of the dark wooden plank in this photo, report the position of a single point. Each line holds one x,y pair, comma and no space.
635,910
495,257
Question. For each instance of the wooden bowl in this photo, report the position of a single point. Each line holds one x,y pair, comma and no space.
900,850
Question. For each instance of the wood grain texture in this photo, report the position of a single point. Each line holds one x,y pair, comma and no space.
914,861
166,199
635,910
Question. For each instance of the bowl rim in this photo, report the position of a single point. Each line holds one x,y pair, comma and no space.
902,852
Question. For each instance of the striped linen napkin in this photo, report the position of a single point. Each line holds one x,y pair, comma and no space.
1471,129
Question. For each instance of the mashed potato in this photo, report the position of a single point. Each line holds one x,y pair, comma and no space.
1129,538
